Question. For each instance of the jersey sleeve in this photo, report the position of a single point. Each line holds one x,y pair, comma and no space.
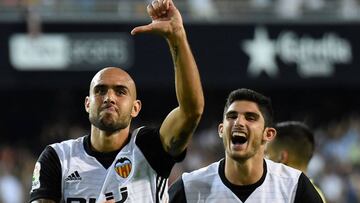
306,192
148,140
46,181
177,192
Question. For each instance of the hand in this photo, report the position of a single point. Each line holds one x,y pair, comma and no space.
166,20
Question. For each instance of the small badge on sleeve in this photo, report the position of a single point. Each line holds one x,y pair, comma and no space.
36,177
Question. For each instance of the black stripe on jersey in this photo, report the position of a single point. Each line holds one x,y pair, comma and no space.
149,143
50,177
77,175
177,192
306,192
160,187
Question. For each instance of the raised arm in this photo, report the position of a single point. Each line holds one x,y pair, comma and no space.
178,127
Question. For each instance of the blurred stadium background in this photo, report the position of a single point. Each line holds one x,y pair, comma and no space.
304,54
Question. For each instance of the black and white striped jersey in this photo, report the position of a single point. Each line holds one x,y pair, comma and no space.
279,183
71,172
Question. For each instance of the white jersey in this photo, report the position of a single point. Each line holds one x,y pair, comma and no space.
279,184
130,178
205,185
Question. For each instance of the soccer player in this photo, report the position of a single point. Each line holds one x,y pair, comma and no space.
244,175
293,146
113,164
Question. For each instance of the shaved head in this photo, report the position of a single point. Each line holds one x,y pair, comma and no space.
115,74
112,102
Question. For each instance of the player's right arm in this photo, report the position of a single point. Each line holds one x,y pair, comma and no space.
179,125
46,180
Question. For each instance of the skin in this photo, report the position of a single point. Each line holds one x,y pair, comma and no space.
111,105
110,110
244,162
282,154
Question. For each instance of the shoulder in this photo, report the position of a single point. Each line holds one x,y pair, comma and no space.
203,175
68,147
145,131
306,191
68,143
282,172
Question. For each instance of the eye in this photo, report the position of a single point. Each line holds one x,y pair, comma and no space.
121,91
231,115
251,116
100,90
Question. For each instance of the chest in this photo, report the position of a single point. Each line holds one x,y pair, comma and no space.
84,179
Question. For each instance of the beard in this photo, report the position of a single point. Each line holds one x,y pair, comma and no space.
251,151
109,123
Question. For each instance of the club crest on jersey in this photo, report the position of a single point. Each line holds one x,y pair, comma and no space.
123,167
36,177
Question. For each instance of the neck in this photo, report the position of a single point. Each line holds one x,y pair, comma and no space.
103,141
244,172
301,167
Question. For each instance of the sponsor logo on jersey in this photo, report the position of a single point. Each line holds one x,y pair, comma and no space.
123,167
75,176
109,197
36,177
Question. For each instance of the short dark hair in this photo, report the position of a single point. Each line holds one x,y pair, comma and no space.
298,137
263,102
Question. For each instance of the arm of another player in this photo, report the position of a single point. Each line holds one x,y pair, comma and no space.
178,127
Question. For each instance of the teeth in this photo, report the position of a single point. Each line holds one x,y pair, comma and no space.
238,134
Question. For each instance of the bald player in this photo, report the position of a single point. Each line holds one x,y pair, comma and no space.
113,164
294,146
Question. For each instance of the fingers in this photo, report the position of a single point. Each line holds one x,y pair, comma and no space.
158,8
141,29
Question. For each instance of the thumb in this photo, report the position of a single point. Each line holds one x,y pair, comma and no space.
142,29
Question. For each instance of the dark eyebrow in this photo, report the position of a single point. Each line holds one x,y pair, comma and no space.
231,112
256,115
249,113
115,87
122,87
111,86
99,86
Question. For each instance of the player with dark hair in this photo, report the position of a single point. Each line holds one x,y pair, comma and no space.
244,175
113,164
293,146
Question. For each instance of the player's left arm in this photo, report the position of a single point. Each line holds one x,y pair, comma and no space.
306,191
179,125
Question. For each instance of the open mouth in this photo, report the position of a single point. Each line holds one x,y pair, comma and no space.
238,138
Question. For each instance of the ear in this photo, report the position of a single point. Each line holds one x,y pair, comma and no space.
87,103
269,134
136,108
284,157
221,130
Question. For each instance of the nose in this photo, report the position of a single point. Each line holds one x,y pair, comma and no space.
109,97
240,121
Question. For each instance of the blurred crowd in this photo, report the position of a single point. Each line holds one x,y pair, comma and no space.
335,167
204,10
